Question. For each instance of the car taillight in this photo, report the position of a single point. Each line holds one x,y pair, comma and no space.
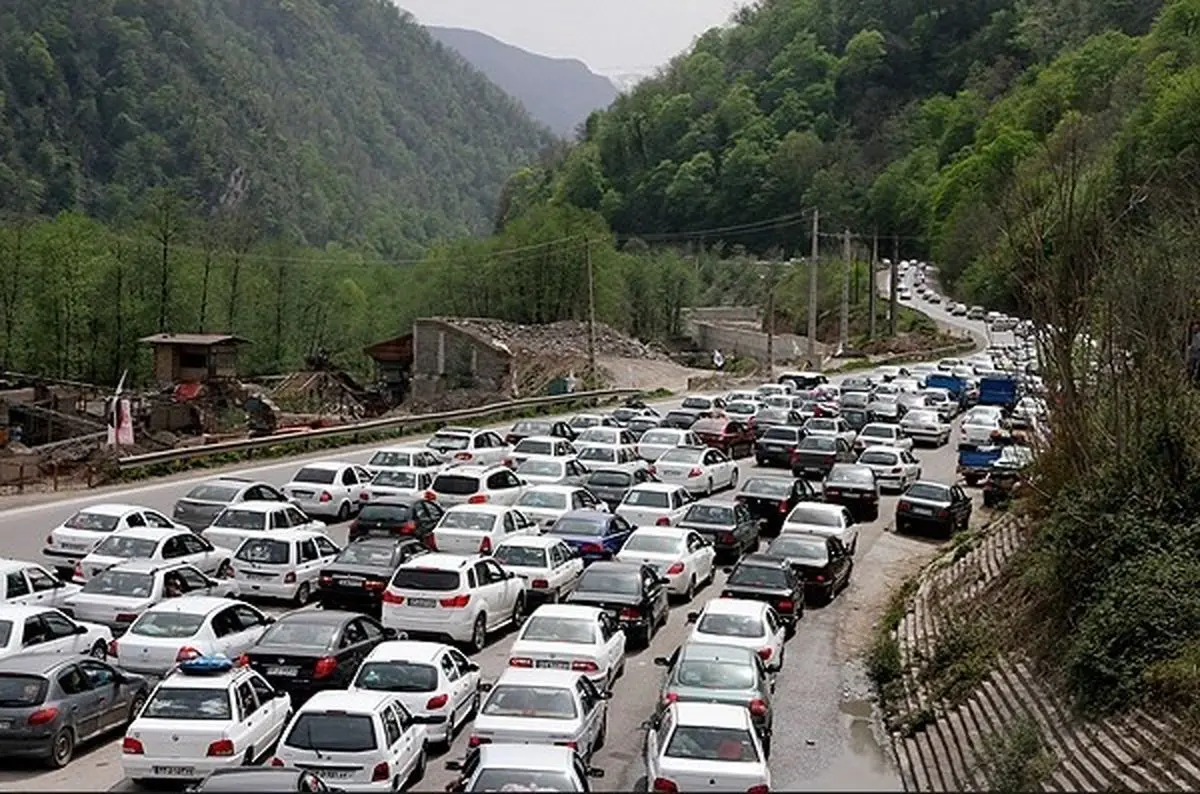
783,505
758,707
664,785
485,545
113,647
277,762
391,598
670,697
43,716
289,577
696,472
591,548
324,667
457,602
463,456
520,661
364,496
510,463
221,747
374,585
665,521
243,661
764,654
585,667
78,574
727,537
903,506
477,499
761,788
429,496
437,702
540,584
187,652
475,741
786,606
326,496
631,613
676,568
408,527
325,581
382,771
943,513
131,746
818,578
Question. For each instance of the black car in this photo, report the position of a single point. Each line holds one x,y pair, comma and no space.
640,424
822,563
261,778
627,413
311,650
611,485
768,418
857,418
634,593
853,486
944,509
770,499
731,528
539,427
681,419
760,577
392,517
777,445
357,577
816,455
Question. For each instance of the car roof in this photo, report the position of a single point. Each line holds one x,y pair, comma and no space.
546,439
491,509
327,617
521,676
734,606
21,611
526,756
762,560
715,651
472,470
614,565
111,509
661,487
442,561
823,506
552,488
257,506
596,516
661,532
147,533
182,680
455,430
191,605
326,464
406,650
718,715
7,565
35,663
879,448
404,448
340,700
573,611
530,541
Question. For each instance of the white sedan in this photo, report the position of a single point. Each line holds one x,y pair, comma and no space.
926,426
753,625
706,747
543,707
654,443
332,489
818,518
478,529
545,504
548,566
895,469
882,434
574,637
681,555
28,629
144,543
701,470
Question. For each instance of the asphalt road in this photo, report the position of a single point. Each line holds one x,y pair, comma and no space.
823,732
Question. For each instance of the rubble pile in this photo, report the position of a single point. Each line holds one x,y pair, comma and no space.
566,339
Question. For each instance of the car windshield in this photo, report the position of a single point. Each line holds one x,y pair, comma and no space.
815,516
395,479
851,475
126,547
504,779
120,583
533,446
240,519
584,421
92,522
781,434
551,703
316,476
455,484
335,733
446,442
543,468
696,403
213,493
743,409
550,500
388,459
724,625
611,479
471,520
647,498
934,493
545,628
801,548
758,576
368,554
720,515
596,580
660,437
265,551
875,431
776,487
602,454
167,625
381,511
396,676
300,634
425,579
681,455
520,556
819,443
188,703
879,458
716,674
654,544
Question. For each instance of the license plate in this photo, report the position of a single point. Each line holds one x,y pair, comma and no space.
302,494
334,774
5,725
73,546
175,771
351,582
923,511
551,665
257,575
284,672
422,602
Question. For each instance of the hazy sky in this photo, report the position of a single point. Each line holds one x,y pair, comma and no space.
610,36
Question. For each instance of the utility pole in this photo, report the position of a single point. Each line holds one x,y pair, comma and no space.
587,252
771,277
893,286
871,284
812,286
844,325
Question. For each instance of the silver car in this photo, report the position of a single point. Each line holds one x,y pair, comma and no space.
197,509
542,706
117,596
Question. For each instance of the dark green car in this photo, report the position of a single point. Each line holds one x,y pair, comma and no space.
712,673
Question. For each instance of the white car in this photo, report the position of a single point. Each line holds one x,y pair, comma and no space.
926,426
895,469
283,565
429,678
882,434
117,596
706,747
408,458
654,504
454,597
835,427
70,541
144,543
606,437
701,470
459,485
539,447
357,741
940,401
522,767
469,445
547,565
545,504
654,443
478,529
681,555
179,629
30,584
607,456
574,637
753,625
543,707
818,518
402,483
979,427
36,629
332,489
251,519
552,471
206,715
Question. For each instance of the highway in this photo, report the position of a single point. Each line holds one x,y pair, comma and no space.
823,732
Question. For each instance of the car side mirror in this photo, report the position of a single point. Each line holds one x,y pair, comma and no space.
594,772
119,678
485,686
390,633
59,583
692,617
80,629
727,570
472,667
662,661
454,766
279,693
269,620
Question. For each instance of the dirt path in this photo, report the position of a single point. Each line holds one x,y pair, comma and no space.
641,373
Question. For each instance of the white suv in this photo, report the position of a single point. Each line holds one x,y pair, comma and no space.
448,595
476,485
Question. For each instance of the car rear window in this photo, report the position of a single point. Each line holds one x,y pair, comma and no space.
385,458
612,479
545,468
637,498
21,690
811,550
446,442
533,428
697,403
714,674
395,479
577,526
856,475
595,580
240,519
471,520
93,522
768,486
532,447
523,780
455,484
384,512
819,443
878,432
660,437
813,515
213,493
6,628
520,556
314,475
345,733
188,703
167,625
603,454
552,501
781,434
758,576
934,493
879,458
300,634
553,703
425,579
120,583
681,455
397,676
264,550
366,554
545,628
709,514
126,547
724,625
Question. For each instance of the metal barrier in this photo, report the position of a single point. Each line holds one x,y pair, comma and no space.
371,426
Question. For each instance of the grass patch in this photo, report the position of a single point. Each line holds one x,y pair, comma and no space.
1015,760
884,665
961,658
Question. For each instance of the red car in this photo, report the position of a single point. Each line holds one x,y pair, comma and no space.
733,437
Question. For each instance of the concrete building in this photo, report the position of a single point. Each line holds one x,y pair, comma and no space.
194,358
448,356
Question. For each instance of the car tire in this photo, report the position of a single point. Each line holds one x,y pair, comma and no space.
690,593
343,512
62,749
478,634
418,772
303,594
135,706
733,480
518,612
99,651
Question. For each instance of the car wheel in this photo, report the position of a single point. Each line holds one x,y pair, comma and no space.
99,651
518,613
302,594
135,707
343,512
690,593
733,479
225,570
419,770
62,749
479,633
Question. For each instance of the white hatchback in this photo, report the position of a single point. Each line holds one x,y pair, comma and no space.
818,518
547,565
32,629
545,504
654,504
331,489
895,469
251,519
682,556
284,565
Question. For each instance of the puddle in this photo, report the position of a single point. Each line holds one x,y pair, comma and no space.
864,744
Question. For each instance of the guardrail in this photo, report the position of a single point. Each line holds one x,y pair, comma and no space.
371,426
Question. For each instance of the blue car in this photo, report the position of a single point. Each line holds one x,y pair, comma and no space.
592,534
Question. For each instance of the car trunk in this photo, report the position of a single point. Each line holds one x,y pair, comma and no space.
230,538
644,516
652,452
659,561
548,655
765,506
196,515
843,493
717,533
360,581
924,509
811,572
177,741
767,595
114,611
260,573
153,654
78,541
692,774
813,460
283,665
543,516
613,603
336,767
460,541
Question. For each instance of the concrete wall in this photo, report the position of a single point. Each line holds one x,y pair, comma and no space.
446,357
718,314
734,340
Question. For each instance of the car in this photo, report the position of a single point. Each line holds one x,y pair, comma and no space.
592,534
548,566
313,650
543,707
451,596
855,487
521,767
654,443
654,503
731,434
981,427
730,527
117,596
200,505
551,471
478,528
392,517
51,704
408,458
153,543
34,629
581,422
404,484
803,381
926,427
746,411
284,565
834,427
469,445
630,411
859,383
747,624
356,578
70,541
357,740
610,485
682,419
539,427
684,557
636,594
881,434
761,577
545,504
854,400
777,446
822,563
640,425
330,489
942,402
430,678
260,778
605,437
207,714
582,639
706,746
928,505
608,455
245,520
816,455
30,584
816,518
700,470
770,499
539,447
178,629
469,484
701,673
702,402
894,468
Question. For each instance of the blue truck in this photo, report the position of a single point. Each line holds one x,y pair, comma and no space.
1000,391
955,385
975,464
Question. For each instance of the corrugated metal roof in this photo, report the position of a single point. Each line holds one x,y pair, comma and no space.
200,340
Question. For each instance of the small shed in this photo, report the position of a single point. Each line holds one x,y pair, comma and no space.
393,364
194,358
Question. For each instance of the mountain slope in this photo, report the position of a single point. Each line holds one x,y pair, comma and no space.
559,92
342,119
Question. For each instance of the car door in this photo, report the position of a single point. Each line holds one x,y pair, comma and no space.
195,581
455,684
63,635
251,623
850,529
45,588
326,550
200,553
962,503
308,560
593,711
703,555
839,560
255,725
613,638
347,486
272,712
658,731
299,520
652,593
403,747
567,565
492,592
85,703
776,633
112,697
745,526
